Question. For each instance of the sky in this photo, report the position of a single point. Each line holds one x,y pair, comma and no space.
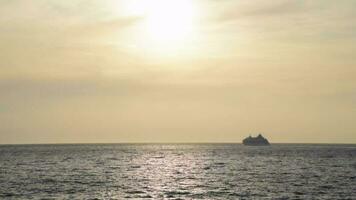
111,71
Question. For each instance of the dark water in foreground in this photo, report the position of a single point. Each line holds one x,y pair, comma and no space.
218,171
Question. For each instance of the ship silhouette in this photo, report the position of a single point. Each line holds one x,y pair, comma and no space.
256,141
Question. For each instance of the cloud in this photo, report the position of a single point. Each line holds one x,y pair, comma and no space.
41,39
263,9
293,20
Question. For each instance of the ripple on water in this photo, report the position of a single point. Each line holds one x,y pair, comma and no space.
177,172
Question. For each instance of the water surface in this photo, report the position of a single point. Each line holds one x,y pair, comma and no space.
177,171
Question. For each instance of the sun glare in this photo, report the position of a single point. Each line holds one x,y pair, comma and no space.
170,21
167,24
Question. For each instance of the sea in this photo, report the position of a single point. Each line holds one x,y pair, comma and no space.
177,171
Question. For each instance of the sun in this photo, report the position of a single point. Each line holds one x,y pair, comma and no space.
170,21
166,23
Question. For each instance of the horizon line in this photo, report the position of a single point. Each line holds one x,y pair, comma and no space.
168,143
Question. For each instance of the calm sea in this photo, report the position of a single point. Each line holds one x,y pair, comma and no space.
177,171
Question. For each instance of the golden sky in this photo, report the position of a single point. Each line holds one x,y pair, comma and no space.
76,71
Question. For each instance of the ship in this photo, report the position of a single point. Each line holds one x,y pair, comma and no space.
256,141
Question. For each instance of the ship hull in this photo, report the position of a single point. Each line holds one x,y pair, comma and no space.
256,144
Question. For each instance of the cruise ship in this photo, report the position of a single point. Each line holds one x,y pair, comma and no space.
255,141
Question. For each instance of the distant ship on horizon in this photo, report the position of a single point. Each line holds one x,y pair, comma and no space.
255,141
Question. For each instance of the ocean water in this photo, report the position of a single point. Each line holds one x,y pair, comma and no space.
177,171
